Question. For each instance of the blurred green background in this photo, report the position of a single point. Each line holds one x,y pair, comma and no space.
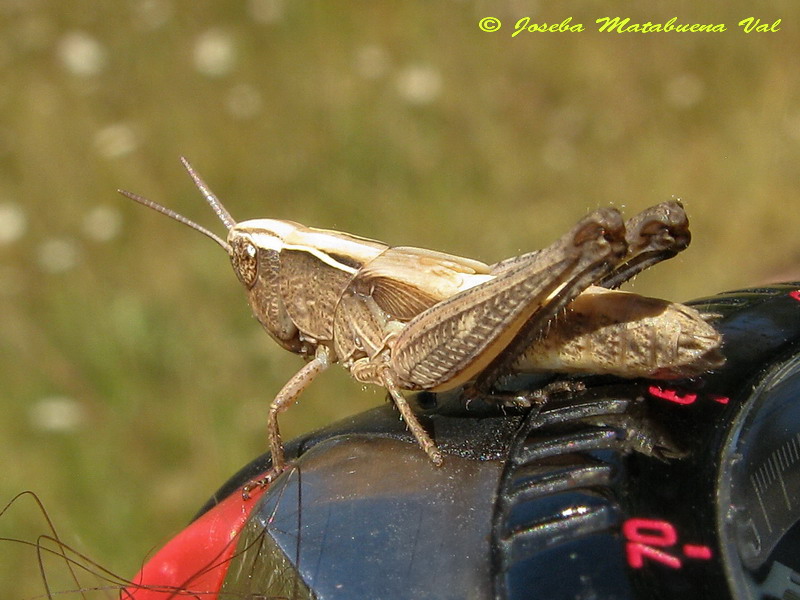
134,380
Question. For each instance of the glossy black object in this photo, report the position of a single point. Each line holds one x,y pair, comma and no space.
629,489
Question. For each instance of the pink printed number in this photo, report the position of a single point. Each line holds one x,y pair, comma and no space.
671,395
684,399
648,539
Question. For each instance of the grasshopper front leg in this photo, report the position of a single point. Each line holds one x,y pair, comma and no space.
285,398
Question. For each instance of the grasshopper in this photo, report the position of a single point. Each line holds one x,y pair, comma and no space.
413,319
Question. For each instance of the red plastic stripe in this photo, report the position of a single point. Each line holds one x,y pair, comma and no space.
194,563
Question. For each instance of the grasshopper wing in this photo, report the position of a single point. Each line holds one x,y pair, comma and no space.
393,289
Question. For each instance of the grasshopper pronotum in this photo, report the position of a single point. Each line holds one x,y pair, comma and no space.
413,319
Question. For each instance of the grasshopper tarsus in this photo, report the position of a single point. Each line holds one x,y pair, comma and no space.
531,398
413,319
261,482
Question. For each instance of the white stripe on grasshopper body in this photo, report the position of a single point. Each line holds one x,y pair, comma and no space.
413,319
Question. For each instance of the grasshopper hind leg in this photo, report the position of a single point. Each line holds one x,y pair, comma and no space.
656,234
596,261
452,342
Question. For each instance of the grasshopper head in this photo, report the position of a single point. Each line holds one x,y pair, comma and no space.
253,247
254,242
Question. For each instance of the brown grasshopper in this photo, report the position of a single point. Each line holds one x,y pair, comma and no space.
412,319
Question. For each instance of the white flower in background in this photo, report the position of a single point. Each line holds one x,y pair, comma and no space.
266,11
152,14
58,255
102,223
214,53
419,84
371,62
244,101
57,413
81,54
13,222
684,90
115,140
559,154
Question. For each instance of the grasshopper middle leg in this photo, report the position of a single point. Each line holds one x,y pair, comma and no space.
417,430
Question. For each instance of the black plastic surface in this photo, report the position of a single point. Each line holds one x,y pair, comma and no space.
558,503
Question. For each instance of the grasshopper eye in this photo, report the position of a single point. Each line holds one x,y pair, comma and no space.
244,256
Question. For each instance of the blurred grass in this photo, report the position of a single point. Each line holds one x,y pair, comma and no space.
134,380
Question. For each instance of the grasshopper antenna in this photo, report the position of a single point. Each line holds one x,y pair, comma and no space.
180,218
210,197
